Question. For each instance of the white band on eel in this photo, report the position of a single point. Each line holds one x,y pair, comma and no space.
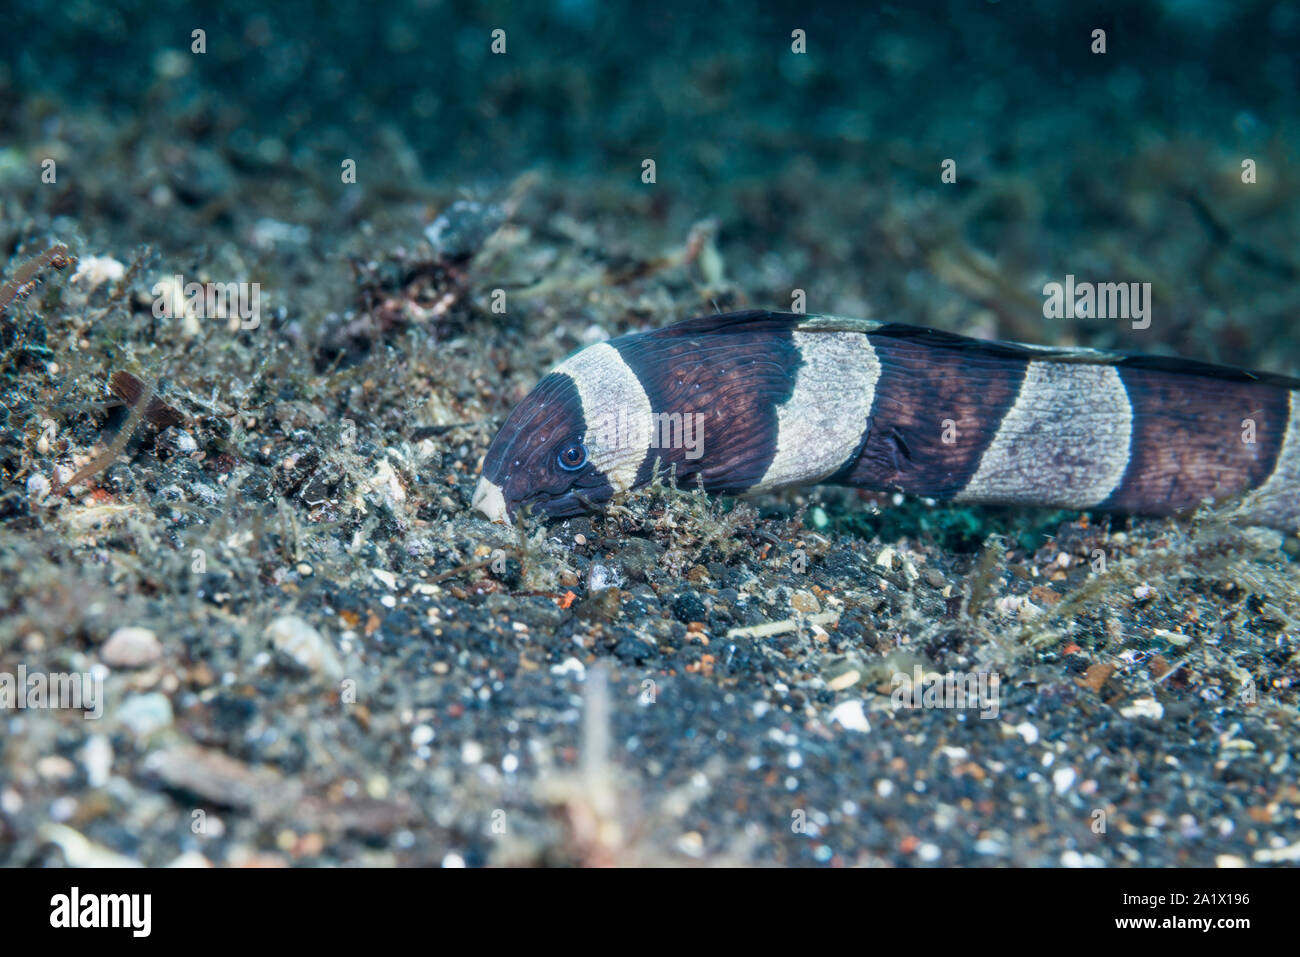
1065,442
1277,501
610,393
819,428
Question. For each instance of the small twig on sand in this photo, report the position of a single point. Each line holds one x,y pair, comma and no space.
116,447
24,280
767,629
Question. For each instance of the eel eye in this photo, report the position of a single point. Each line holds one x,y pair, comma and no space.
572,457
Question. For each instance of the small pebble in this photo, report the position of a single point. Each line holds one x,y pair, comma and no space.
293,637
145,714
55,767
691,844
421,735
1063,779
131,647
97,759
1028,732
93,271
850,716
805,603
1143,708
177,441
38,486
845,679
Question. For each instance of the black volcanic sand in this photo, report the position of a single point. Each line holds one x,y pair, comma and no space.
314,653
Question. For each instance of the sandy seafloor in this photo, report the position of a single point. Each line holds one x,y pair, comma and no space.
297,667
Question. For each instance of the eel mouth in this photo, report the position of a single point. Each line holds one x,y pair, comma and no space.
490,500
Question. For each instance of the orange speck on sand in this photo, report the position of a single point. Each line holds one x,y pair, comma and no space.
1096,676
565,600
1071,649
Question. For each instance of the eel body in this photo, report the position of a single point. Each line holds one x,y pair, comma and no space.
762,400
